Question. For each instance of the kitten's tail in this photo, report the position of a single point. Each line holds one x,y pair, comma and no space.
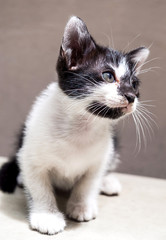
8,175
10,170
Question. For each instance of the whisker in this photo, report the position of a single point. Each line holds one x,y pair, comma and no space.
151,69
108,39
151,60
148,105
145,104
138,135
71,92
147,101
93,81
147,124
130,42
92,114
139,119
150,118
146,111
107,109
144,123
112,39
150,45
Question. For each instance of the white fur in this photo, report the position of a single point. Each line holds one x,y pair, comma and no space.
110,185
107,94
54,153
82,211
140,59
121,70
67,147
47,222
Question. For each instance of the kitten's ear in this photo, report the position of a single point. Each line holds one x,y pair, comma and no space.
138,57
77,43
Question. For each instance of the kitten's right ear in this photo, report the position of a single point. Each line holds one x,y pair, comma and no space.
77,43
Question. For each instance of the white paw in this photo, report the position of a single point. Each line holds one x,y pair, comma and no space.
110,185
47,223
82,212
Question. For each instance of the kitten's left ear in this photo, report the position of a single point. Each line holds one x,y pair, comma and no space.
77,43
138,57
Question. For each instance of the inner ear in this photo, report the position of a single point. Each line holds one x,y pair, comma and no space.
138,57
77,43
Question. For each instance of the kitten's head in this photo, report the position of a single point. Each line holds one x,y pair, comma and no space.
105,79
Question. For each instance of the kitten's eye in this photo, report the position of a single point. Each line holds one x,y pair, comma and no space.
135,85
108,76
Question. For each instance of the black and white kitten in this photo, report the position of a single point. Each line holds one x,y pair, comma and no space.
68,138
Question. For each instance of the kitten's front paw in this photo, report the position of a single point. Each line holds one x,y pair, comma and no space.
82,212
110,185
47,223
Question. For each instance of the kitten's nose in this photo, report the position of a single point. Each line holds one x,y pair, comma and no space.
130,97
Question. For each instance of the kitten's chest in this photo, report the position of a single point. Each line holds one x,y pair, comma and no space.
80,137
74,159
83,146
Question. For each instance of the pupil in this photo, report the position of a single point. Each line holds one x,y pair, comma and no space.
108,77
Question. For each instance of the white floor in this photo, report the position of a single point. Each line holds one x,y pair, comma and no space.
139,213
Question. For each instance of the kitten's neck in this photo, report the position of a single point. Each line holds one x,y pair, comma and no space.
74,120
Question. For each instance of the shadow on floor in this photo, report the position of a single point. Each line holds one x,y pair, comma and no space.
15,207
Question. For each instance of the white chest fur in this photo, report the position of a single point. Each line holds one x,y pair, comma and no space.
62,139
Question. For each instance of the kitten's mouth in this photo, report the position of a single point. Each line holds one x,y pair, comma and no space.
128,109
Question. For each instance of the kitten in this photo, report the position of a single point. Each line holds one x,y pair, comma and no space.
68,138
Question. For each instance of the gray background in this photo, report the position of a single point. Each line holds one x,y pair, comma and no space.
30,37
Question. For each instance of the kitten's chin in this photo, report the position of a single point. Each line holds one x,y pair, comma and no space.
130,108
104,111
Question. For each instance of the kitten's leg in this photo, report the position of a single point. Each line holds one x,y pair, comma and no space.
44,215
82,205
110,185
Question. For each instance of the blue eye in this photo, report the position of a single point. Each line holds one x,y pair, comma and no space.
108,76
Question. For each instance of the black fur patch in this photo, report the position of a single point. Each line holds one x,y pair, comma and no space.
80,82
10,170
102,110
81,62
129,87
8,175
